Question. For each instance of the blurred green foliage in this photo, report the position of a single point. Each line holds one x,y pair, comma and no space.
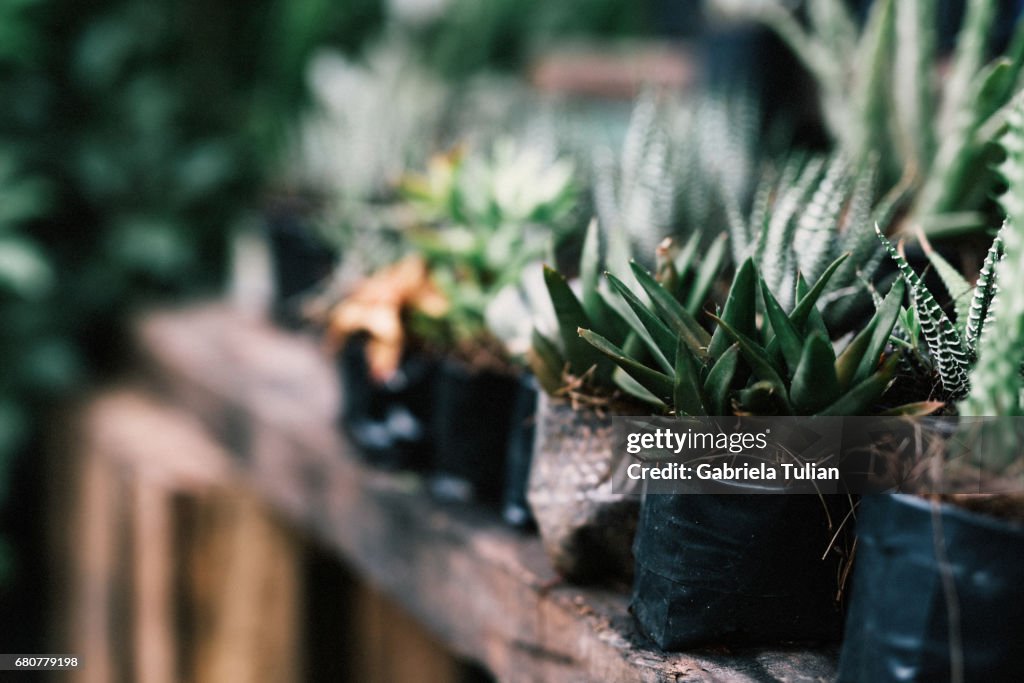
472,34
134,136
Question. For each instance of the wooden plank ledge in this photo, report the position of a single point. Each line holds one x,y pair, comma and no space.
270,398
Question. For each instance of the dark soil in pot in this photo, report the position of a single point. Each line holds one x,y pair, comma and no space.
470,423
514,508
920,569
720,569
388,421
587,529
300,260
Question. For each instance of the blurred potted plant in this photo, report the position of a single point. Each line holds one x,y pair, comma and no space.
936,584
369,121
386,375
484,220
882,93
300,257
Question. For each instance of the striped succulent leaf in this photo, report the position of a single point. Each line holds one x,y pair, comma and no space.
881,93
996,379
979,316
805,217
681,165
950,358
776,257
817,227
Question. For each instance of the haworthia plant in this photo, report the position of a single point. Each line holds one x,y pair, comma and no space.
996,383
635,191
774,363
679,163
951,346
685,276
803,218
882,92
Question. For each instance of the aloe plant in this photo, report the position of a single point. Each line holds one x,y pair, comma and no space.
774,363
881,92
686,276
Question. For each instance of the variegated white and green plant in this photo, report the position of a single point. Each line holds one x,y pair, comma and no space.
883,90
803,217
940,349
680,163
975,357
997,387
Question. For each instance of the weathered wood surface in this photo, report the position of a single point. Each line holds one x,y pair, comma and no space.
485,590
168,570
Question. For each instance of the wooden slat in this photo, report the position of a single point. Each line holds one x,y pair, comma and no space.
175,571
484,590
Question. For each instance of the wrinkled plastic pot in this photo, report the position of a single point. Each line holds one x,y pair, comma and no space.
721,569
587,530
514,508
470,422
898,626
389,421
298,258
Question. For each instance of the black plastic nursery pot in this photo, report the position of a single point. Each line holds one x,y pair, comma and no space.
514,508
724,569
388,421
298,258
470,422
937,595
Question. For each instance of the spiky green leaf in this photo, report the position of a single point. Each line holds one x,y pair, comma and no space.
758,359
571,316
672,312
687,393
984,293
740,310
861,399
788,339
661,341
815,383
719,381
658,383
707,272
884,320
546,362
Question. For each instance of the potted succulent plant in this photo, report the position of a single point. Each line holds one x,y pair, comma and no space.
936,587
679,167
887,92
387,376
484,220
587,529
759,360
